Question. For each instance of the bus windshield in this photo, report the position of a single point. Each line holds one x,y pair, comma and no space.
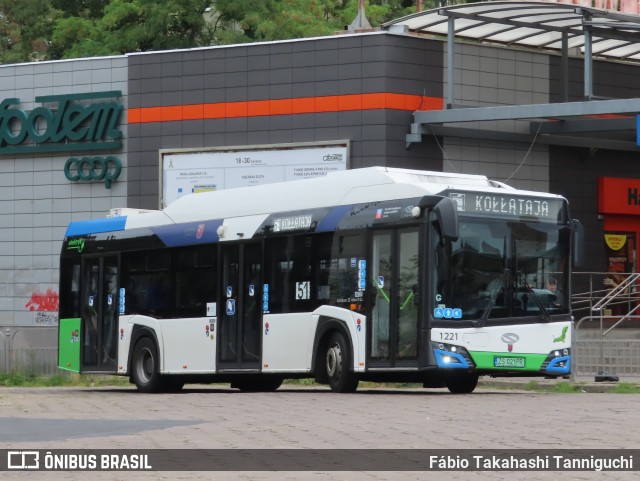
498,271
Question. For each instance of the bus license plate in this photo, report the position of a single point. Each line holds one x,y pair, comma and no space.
500,361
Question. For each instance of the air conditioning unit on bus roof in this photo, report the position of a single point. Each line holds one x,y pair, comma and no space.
127,211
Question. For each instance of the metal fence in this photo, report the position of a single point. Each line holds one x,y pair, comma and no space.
38,361
17,355
607,357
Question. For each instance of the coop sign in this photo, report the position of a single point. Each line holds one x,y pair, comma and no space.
73,123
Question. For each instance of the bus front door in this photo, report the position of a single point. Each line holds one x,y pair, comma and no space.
394,317
239,339
99,314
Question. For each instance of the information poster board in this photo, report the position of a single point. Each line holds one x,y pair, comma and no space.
192,171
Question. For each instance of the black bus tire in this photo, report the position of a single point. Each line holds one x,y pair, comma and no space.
341,378
462,382
145,366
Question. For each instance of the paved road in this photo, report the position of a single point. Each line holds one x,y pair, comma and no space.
214,417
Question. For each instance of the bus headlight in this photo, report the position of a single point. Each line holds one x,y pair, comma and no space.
557,362
450,356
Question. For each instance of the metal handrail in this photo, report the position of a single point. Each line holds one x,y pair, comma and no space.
628,315
602,303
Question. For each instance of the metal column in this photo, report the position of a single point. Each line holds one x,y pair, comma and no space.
588,60
451,29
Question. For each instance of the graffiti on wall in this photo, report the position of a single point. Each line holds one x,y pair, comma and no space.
48,318
48,301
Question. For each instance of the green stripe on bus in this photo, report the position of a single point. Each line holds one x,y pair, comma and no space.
69,345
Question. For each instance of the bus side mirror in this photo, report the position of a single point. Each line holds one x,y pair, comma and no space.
446,212
577,242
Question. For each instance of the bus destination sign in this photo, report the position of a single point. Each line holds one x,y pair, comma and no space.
508,205
286,224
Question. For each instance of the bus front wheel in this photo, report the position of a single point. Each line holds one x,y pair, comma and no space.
341,378
145,367
461,382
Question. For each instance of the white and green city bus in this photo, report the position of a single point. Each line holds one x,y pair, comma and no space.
370,274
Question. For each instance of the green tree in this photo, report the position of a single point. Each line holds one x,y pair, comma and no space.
123,26
81,8
262,20
25,27
377,11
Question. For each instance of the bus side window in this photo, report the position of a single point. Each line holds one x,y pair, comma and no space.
277,274
195,280
148,283
301,266
322,266
346,253
70,289
297,271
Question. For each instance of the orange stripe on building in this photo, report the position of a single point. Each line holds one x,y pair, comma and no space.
294,106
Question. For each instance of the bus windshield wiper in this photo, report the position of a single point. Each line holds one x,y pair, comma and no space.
492,300
539,303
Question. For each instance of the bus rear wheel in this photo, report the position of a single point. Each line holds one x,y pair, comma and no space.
144,367
341,378
462,382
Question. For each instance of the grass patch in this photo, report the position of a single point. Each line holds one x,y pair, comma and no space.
26,379
567,387
17,379
301,382
390,385
561,387
625,388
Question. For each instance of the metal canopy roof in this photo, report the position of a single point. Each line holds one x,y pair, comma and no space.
534,25
545,26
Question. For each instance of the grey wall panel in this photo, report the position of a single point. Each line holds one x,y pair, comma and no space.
195,96
350,86
192,127
234,125
279,91
259,137
212,94
305,135
215,138
350,118
305,121
326,85
326,119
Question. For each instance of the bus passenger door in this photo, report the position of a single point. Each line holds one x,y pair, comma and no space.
239,332
394,317
99,315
